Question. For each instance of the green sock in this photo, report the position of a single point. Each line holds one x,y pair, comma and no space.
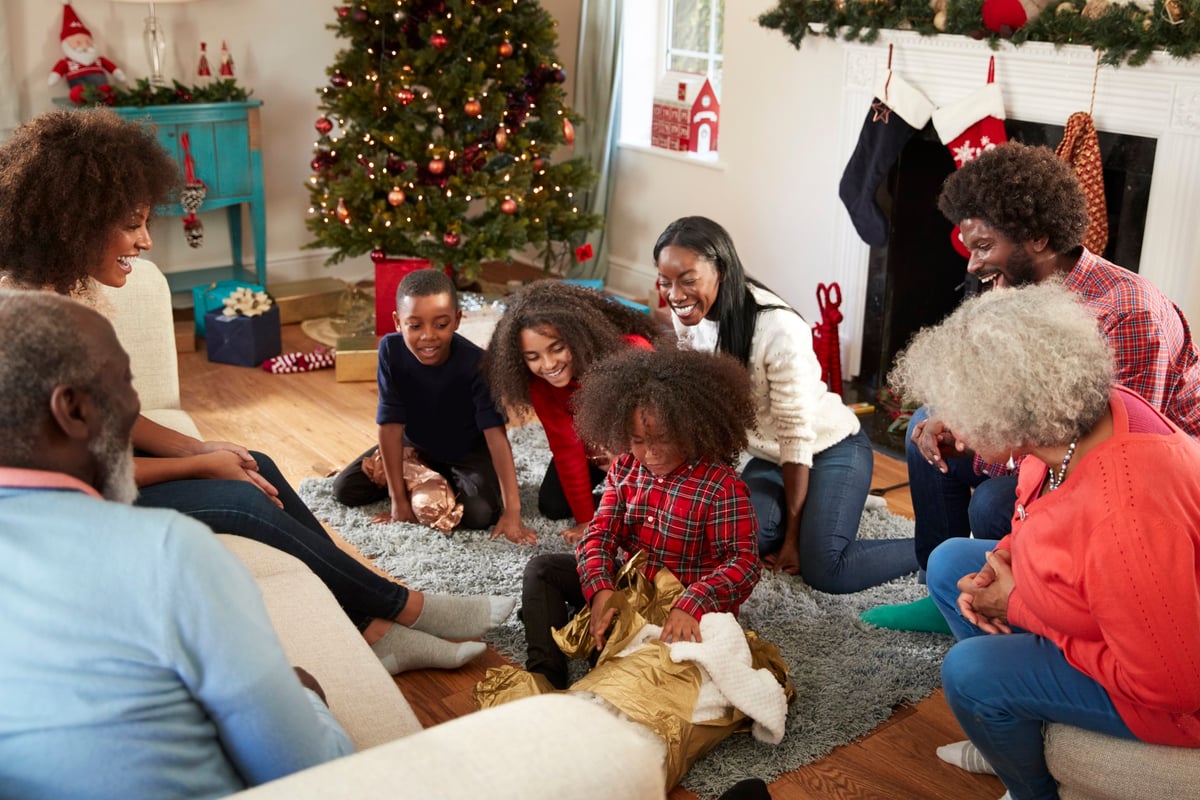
920,615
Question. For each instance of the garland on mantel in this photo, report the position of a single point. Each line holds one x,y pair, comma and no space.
1120,32
144,93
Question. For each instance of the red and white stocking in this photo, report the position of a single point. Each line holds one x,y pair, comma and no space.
321,358
971,126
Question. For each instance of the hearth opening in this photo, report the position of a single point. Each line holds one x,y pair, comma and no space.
917,278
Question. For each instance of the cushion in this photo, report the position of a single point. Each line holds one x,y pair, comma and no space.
1092,766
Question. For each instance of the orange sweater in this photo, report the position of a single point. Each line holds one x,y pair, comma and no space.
1108,568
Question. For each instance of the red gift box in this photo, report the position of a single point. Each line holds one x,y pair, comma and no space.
388,274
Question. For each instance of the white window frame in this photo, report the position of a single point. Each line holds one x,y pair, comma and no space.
645,47
711,56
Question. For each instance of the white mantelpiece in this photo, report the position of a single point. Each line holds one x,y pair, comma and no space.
1160,100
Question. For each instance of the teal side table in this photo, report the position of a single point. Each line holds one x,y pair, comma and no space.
226,145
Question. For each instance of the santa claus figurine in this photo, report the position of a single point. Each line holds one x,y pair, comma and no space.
81,66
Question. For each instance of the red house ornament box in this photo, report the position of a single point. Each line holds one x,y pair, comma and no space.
687,114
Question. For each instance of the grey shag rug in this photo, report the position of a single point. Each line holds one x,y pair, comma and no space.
848,675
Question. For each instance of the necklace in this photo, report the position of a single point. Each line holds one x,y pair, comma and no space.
1055,481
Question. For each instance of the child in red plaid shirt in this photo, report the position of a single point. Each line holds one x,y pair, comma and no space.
679,418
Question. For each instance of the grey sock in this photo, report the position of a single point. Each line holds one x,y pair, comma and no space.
402,649
455,617
965,755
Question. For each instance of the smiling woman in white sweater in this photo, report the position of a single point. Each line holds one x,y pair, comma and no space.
811,462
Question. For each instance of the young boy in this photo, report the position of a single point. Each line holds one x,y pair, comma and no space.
433,398
680,418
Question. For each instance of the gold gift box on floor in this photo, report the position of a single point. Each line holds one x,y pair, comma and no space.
301,300
357,358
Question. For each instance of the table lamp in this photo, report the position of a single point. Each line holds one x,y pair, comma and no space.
155,40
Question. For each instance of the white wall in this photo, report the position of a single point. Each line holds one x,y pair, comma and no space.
775,185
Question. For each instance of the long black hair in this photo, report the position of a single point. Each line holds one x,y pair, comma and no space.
736,308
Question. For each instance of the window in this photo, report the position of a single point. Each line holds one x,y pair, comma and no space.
694,38
661,37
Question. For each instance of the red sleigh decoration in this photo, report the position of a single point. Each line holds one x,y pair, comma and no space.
825,336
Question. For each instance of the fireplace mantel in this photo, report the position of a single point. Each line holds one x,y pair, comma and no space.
1041,83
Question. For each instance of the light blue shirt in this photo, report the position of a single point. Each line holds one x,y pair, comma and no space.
137,658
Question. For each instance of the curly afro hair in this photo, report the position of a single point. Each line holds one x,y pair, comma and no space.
1023,192
67,180
703,401
590,323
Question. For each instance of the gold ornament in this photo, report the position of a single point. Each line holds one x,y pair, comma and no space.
395,196
1065,7
1095,9
501,139
568,131
343,213
939,21
472,107
1172,12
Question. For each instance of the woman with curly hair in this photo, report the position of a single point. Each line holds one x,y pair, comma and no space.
1088,612
76,192
812,463
678,419
1023,216
551,333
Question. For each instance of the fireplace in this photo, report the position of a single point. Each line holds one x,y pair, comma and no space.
917,278
1040,84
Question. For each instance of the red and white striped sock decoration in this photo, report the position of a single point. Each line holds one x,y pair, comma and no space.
321,358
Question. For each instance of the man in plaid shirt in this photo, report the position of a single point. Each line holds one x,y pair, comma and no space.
1023,216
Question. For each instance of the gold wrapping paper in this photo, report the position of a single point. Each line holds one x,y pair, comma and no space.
646,686
429,493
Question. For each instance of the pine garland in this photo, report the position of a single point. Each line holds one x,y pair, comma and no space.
145,94
1120,32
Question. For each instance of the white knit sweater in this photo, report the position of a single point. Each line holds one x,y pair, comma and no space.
797,416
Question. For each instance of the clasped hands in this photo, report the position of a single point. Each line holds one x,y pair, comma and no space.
232,462
679,627
936,443
983,598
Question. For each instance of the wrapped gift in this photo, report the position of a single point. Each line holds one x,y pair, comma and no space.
308,299
357,358
388,274
212,296
240,340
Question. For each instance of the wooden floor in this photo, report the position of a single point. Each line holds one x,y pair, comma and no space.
310,424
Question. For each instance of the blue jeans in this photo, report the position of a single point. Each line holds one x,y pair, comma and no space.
240,508
1002,688
832,559
956,503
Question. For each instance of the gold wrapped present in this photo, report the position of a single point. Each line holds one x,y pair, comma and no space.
357,358
429,493
301,300
636,677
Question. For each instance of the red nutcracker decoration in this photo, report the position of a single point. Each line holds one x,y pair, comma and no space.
82,65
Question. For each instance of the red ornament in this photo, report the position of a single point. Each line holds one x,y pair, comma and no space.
568,131
438,41
505,49
508,206
472,107
323,125
361,15
450,239
338,80
405,96
343,11
395,197
501,139
539,164
583,253
437,166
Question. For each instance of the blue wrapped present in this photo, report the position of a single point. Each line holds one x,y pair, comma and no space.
243,341
212,296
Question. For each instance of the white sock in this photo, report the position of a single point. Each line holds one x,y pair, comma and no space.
965,755
402,649
455,617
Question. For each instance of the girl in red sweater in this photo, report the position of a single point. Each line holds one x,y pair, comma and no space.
549,336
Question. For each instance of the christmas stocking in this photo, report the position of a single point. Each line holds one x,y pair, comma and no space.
970,126
898,111
1081,149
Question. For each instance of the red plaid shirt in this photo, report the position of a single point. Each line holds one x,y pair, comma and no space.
696,522
1155,354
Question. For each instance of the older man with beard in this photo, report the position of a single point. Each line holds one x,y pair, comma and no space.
139,660
1023,216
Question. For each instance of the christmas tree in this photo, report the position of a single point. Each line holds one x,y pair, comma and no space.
440,128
